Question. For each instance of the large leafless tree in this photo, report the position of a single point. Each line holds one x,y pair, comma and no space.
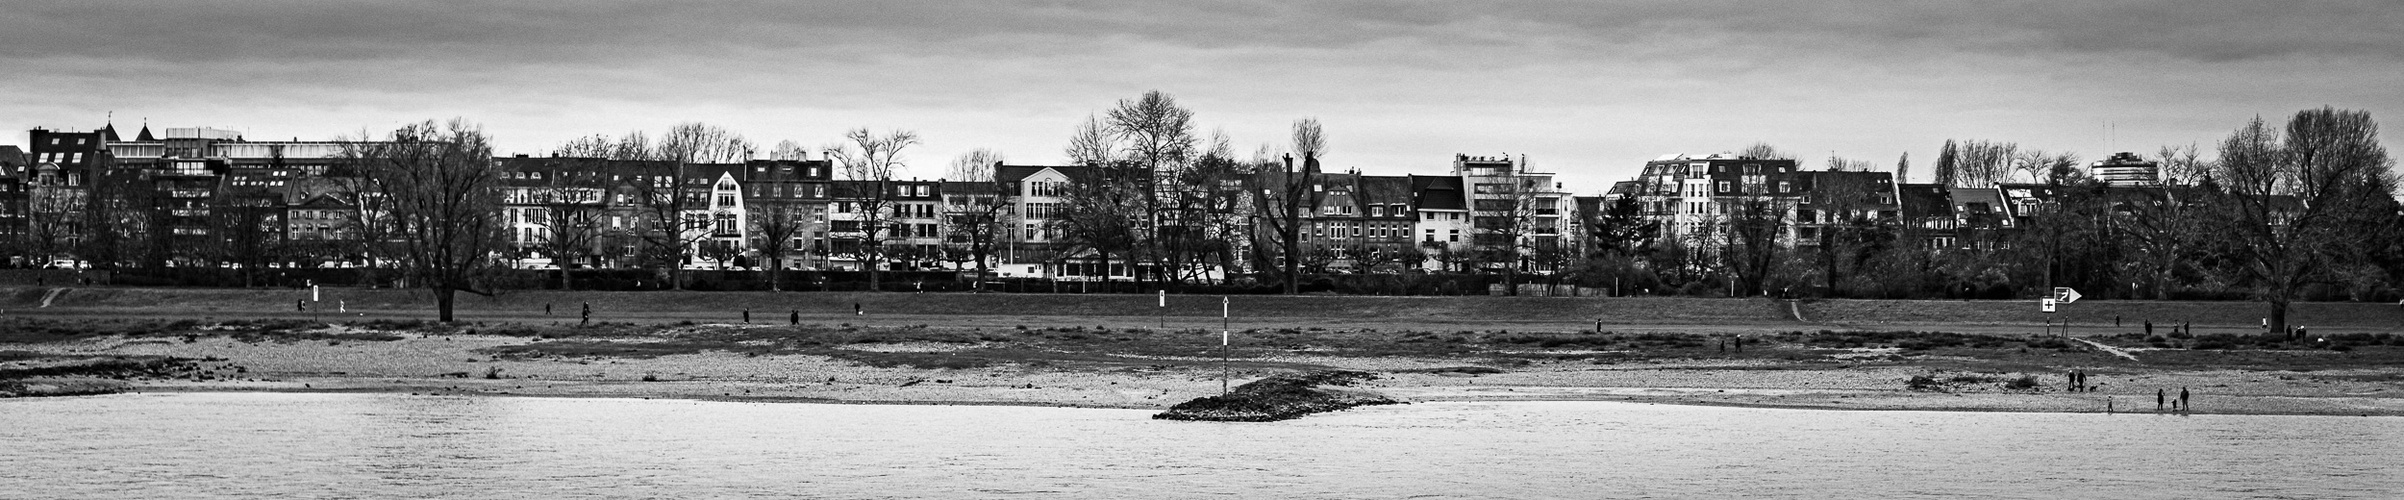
872,161
980,217
443,191
2296,202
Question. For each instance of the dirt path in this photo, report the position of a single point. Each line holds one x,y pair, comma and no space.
2114,350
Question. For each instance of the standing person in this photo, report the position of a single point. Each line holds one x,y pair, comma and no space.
746,316
546,309
796,317
857,311
2161,398
2183,404
2149,328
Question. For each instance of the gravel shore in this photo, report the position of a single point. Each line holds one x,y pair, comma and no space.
453,364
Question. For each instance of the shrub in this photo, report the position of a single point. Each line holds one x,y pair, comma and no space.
2025,382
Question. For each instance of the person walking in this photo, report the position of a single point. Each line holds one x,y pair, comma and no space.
587,315
546,309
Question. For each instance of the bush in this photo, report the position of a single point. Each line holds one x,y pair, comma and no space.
2025,382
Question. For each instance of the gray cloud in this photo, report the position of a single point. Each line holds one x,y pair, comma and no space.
1613,81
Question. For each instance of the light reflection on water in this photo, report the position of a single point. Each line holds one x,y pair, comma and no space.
249,445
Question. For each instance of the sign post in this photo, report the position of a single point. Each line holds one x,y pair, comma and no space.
2061,295
1164,309
1224,336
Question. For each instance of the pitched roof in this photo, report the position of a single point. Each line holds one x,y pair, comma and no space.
1385,189
1438,192
1925,200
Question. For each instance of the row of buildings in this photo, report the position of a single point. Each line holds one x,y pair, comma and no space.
210,197
1693,197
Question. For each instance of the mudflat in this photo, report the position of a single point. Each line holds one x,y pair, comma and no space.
1072,350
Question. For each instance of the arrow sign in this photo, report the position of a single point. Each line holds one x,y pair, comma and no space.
2065,295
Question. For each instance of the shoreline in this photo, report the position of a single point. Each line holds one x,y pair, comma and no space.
1100,366
1554,396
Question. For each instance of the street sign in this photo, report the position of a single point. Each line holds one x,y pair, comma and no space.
2047,304
2065,294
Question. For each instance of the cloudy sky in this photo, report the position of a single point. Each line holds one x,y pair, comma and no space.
1588,89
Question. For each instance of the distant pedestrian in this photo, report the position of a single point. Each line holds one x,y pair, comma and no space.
2161,399
2183,403
300,305
796,317
2149,328
746,316
2115,321
1740,344
546,309
588,315
857,311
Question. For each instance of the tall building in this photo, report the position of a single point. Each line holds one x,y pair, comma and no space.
2126,170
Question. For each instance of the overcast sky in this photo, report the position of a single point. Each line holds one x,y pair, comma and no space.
1587,89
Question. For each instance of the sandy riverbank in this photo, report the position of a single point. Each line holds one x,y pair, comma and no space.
459,364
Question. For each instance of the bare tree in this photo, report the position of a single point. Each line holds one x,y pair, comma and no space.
2292,204
1502,223
1309,137
1285,196
1091,145
787,150
2041,167
55,213
1750,248
443,189
871,161
1764,151
674,229
2183,165
1154,131
571,211
980,216
776,225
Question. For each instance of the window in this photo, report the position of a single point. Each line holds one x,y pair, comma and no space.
726,200
1724,185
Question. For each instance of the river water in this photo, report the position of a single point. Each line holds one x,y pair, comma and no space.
262,445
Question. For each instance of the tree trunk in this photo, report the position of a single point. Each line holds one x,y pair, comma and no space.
979,286
564,284
1293,261
676,273
776,266
444,298
2278,316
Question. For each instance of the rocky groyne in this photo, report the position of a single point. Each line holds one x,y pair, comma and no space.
1281,397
